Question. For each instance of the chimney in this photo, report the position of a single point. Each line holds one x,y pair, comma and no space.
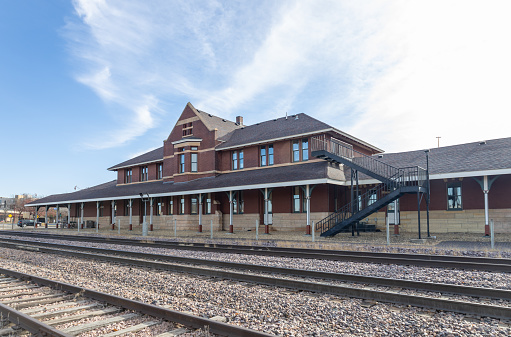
239,120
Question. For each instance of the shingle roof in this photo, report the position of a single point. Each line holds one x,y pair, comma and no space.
283,174
151,156
492,155
276,128
212,122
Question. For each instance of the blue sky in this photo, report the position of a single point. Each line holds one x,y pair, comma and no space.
87,84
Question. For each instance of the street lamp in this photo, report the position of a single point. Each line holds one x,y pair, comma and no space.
145,198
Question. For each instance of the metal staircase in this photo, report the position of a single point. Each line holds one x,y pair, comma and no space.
395,182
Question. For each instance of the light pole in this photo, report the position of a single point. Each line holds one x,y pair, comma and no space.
145,198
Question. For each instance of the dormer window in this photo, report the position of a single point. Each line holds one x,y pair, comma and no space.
187,129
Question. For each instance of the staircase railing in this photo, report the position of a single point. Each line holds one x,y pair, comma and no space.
347,211
346,151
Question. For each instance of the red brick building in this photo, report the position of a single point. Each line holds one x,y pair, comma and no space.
213,170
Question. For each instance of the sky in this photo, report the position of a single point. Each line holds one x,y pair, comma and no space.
87,84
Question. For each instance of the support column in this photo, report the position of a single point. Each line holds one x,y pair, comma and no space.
68,213
57,216
151,203
419,213
97,216
231,226
486,211
266,200
200,212
45,216
81,215
113,215
131,213
308,201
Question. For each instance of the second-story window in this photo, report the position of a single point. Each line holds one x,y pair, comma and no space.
263,155
266,155
194,156
305,149
270,154
181,163
159,171
143,173
300,150
127,176
237,160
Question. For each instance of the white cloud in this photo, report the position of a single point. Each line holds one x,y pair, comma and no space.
394,73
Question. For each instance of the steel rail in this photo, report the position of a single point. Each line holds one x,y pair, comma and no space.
437,261
193,321
34,326
378,281
320,287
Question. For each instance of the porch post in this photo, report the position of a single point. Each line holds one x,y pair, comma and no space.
81,215
69,213
45,216
231,227
151,203
200,212
486,211
113,214
308,200
266,224
131,213
97,216
57,216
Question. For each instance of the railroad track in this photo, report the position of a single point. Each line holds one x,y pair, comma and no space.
44,307
322,284
437,261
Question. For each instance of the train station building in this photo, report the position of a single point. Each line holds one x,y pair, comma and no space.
288,172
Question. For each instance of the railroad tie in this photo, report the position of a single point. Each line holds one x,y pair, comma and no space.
73,318
7,332
79,329
33,300
53,306
174,333
45,315
131,329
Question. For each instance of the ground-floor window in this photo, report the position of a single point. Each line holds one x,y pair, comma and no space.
182,205
297,196
194,207
238,205
171,206
159,207
208,203
454,201
126,208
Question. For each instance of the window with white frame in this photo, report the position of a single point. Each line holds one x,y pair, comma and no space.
182,205
144,173
208,203
159,171
193,159
171,206
300,150
454,201
127,176
194,205
181,163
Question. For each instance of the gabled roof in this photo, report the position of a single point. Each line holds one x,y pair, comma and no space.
148,157
281,128
223,126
